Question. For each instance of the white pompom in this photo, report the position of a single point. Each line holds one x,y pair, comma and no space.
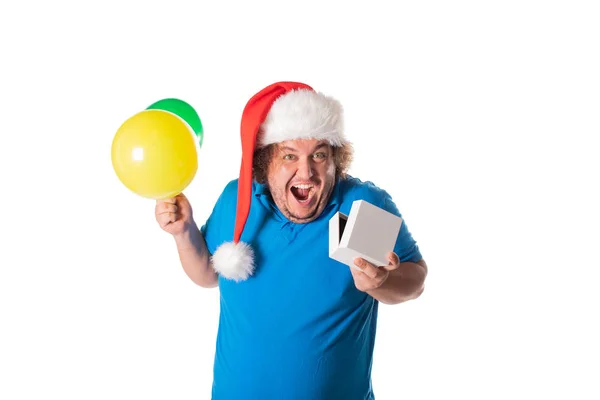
234,261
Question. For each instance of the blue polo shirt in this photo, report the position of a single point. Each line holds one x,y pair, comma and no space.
297,329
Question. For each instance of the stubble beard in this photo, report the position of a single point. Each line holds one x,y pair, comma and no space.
280,199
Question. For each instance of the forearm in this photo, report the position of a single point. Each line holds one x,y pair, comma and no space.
403,284
195,258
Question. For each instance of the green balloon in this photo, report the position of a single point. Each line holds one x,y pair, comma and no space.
184,111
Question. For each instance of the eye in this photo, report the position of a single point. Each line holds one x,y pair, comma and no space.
320,155
289,157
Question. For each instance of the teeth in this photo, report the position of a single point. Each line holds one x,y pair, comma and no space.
303,186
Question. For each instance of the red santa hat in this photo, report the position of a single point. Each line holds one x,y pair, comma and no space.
280,112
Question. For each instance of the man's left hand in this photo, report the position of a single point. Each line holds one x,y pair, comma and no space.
368,276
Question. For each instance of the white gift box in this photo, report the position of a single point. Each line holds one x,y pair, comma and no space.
368,232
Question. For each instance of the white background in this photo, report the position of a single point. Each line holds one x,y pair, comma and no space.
478,117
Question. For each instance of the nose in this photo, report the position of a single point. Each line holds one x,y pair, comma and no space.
305,169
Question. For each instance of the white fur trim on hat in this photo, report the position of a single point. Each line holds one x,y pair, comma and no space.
303,114
234,261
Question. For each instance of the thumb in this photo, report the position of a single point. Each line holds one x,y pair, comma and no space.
393,261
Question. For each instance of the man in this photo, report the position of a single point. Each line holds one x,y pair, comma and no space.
294,323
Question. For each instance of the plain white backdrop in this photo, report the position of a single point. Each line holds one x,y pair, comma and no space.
478,117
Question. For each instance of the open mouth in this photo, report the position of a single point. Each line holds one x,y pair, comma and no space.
303,193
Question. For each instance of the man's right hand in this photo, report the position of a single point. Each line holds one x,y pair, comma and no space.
174,215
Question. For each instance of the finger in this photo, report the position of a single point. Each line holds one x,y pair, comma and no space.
367,268
170,200
394,261
167,208
161,204
167,218
180,198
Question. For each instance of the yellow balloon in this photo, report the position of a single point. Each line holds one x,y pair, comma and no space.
154,154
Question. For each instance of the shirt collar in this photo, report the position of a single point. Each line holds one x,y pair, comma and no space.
336,194
259,189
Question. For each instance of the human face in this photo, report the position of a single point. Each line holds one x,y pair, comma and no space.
301,176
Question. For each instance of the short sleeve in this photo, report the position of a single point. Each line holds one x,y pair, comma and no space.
209,233
406,247
219,225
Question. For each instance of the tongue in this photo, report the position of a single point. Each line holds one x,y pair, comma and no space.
301,194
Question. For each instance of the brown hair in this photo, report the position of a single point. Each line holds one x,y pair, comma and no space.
342,158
